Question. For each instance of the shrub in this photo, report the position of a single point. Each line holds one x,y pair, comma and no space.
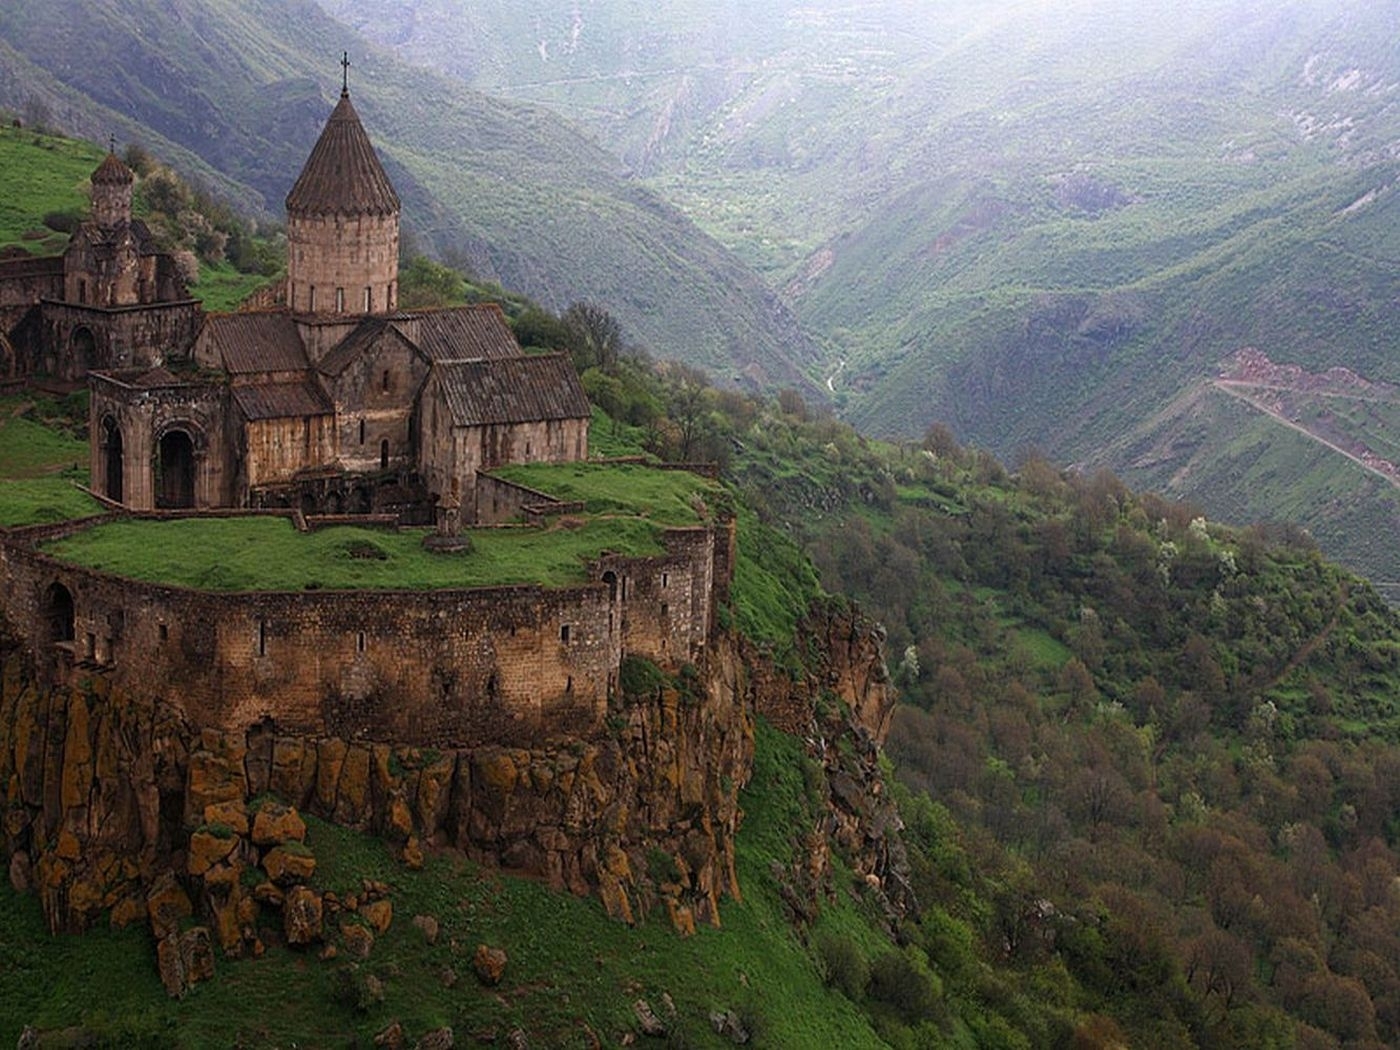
844,966
906,985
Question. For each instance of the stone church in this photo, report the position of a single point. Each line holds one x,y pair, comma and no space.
336,402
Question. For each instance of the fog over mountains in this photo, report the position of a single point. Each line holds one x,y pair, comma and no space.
1049,225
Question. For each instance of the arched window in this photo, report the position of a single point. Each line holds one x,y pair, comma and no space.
384,454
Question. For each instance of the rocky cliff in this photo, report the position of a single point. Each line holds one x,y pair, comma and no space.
119,807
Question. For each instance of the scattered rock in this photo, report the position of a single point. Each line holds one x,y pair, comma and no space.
301,916
184,960
428,926
359,940
437,1039
379,914
392,1038
269,893
412,854
448,977
329,952
275,824
490,964
650,1023
668,1006
208,848
517,1040
167,904
727,1025
287,866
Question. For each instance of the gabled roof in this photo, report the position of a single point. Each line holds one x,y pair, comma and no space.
281,400
466,333
365,335
511,390
343,175
255,342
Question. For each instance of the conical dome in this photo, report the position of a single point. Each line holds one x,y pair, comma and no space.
343,175
112,172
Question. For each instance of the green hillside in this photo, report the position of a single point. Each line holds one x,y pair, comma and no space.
509,190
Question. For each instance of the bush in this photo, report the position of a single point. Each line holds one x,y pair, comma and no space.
844,966
906,985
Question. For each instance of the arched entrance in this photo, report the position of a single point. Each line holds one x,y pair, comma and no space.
175,471
82,352
112,459
58,613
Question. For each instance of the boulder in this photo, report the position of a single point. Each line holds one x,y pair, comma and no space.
437,1039
392,1038
21,872
208,848
168,904
287,866
648,1021
275,823
359,940
379,914
301,916
232,815
489,964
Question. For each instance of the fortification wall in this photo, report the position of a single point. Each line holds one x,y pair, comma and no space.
445,668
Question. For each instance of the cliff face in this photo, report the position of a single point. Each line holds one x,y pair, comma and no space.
117,804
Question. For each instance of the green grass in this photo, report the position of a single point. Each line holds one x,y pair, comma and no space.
40,501
569,965
38,467
41,174
224,288
671,497
242,554
29,449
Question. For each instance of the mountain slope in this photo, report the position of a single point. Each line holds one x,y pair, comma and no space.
1039,223
507,189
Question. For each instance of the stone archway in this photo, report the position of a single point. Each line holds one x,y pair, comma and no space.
113,460
175,471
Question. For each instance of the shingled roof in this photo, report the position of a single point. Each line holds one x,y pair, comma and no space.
512,390
113,172
343,175
255,342
281,400
466,333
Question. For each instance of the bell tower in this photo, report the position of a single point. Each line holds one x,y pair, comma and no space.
343,223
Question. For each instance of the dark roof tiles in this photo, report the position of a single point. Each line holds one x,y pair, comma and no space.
512,390
112,172
343,175
281,401
466,333
256,342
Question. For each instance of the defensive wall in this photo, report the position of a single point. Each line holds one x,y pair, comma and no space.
433,668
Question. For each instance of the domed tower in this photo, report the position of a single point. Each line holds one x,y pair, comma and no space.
343,225
111,192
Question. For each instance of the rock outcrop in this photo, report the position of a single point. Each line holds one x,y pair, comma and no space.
118,807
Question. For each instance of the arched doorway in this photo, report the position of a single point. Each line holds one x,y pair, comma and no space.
112,459
175,471
58,613
82,352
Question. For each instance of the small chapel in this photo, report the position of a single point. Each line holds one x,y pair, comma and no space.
334,402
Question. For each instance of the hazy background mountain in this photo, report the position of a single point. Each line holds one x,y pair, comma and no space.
507,190
1047,224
